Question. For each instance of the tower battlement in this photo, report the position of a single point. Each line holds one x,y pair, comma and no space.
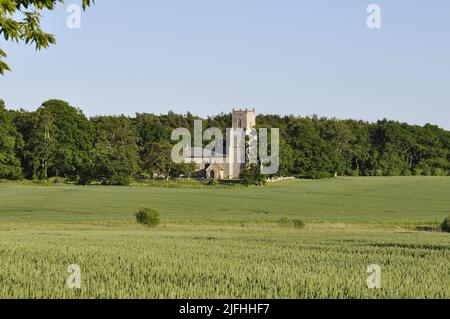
244,110
244,118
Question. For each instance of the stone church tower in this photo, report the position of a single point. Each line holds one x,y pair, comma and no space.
245,119
210,168
241,119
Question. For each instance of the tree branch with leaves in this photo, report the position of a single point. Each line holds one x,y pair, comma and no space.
20,21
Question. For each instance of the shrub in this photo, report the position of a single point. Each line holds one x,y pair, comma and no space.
84,180
298,223
251,175
148,216
118,180
378,172
445,226
86,175
439,172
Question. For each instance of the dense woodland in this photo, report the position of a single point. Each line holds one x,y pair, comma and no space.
59,141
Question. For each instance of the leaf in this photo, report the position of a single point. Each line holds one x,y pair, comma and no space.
28,29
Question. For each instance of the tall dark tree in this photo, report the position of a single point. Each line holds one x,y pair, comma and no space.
25,123
43,143
57,139
360,149
116,148
339,137
10,167
313,155
158,160
287,159
74,140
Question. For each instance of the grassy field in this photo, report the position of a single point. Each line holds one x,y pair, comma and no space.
226,242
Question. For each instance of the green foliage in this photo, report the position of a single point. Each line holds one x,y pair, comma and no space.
313,156
58,140
212,182
445,226
324,147
287,160
158,161
43,142
148,216
188,170
87,174
20,21
74,140
25,123
151,129
251,175
10,141
116,150
118,179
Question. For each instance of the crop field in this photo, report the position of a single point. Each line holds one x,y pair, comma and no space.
228,242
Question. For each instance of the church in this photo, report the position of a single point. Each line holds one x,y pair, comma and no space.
212,168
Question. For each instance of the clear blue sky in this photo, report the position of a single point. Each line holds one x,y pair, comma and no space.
278,56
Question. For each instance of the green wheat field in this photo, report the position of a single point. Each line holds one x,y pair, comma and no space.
218,242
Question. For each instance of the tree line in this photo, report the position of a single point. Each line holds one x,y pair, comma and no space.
59,141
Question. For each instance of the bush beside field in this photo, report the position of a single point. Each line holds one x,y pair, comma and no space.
148,216
445,226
